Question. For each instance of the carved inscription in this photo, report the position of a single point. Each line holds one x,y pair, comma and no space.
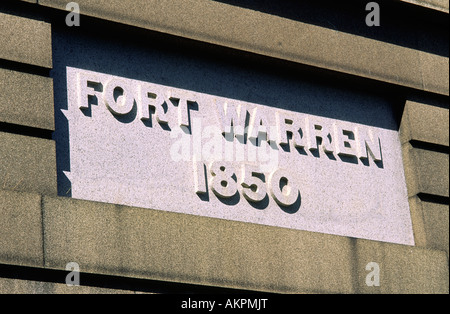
143,144
247,123
237,119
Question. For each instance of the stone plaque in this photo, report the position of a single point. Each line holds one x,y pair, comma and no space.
143,144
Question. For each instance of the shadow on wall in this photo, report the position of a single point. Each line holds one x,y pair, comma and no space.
402,24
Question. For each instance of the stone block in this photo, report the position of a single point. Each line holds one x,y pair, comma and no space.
118,164
435,74
28,164
20,229
26,99
402,269
430,223
29,41
271,35
143,243
439,5
425,123
436,221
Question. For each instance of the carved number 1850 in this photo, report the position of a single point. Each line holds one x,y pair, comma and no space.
253,184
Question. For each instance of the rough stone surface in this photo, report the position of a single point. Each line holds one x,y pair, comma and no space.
426,171
20,229
422,122
143,243
436,220
271,35
27,164
402,269
17,286
26,99
125,241
434,79
440,5
29,41
430,223
432,169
